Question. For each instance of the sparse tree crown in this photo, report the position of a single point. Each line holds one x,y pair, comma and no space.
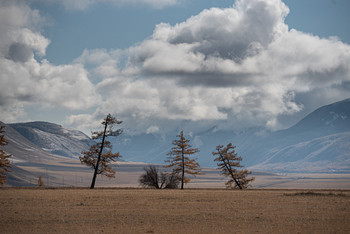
100,155
228,162
179,160
4,158
152,178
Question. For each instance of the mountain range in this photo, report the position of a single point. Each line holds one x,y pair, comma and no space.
318,143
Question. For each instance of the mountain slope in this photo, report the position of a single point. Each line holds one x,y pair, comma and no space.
328,119
330,153
21,148
54,138
320,142
25,153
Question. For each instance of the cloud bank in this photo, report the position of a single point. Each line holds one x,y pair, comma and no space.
24,79
235,67
240,65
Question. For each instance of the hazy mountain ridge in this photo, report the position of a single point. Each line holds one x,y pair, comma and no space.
324,154
331,118
320,142
322,138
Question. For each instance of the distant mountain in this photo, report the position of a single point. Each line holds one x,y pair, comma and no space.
329,119
329,153
24,152
54,138
23,149
318,143
41,148
149,148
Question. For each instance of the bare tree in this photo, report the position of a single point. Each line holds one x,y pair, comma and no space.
4,158
100,154
171,180
154,179
180,162
227,161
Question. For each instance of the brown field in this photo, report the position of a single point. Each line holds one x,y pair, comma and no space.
121,210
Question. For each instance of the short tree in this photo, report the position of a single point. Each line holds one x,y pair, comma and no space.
228,162
152,178
4,158
100,155
180,162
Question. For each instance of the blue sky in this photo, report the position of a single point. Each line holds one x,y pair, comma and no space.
110,27
164,64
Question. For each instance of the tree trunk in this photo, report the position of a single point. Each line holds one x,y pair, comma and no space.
183,169
99,157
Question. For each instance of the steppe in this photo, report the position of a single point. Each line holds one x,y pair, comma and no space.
137,210
276,203
71,173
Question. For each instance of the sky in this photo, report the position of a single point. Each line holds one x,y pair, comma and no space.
161,65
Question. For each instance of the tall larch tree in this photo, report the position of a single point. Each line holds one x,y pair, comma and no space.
228,162
179,159
100,155
4,158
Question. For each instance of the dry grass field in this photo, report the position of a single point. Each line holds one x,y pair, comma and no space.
117,210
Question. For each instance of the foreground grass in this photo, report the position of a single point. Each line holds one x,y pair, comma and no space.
173,211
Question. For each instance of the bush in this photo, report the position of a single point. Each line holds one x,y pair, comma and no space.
152,178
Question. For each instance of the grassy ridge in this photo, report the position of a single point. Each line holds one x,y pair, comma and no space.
173,211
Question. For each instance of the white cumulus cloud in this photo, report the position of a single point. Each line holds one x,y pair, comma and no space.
24,79
240,65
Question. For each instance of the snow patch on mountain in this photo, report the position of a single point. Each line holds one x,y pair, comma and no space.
75,134
335,117
54,138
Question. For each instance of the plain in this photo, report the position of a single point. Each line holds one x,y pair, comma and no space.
135,210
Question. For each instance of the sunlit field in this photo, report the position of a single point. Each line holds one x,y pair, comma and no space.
120,210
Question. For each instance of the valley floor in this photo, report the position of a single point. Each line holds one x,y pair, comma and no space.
31,210
71,173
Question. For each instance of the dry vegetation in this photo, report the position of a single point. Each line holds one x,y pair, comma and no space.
173,211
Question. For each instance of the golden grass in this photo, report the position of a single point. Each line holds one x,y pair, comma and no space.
173,211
